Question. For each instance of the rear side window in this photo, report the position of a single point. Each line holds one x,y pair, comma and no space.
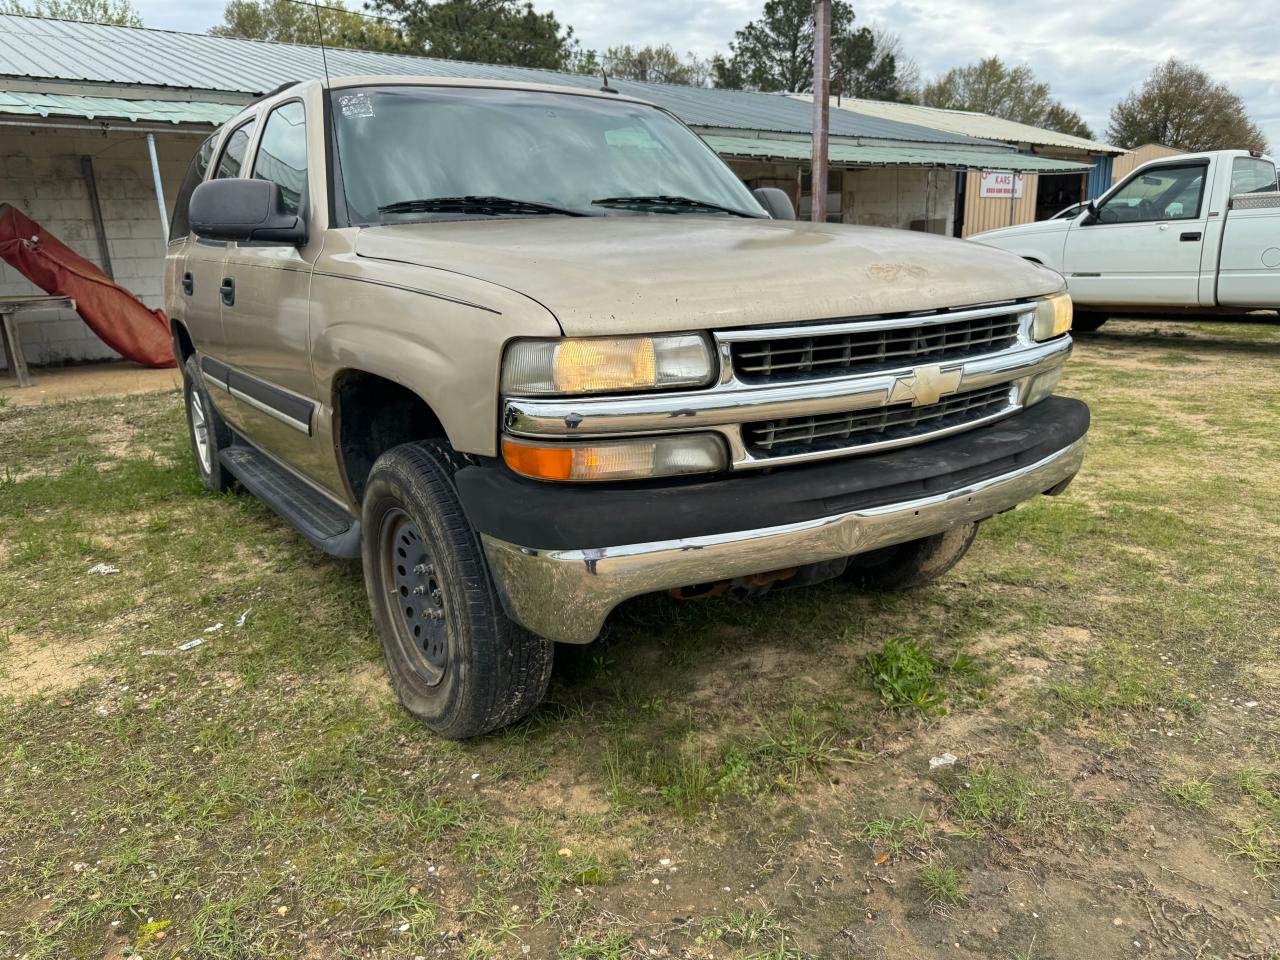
232,160
1252,175
282,153
179,227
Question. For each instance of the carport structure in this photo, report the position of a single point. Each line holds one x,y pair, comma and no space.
98,124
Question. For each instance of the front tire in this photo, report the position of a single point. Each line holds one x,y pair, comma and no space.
208,431
456,661
1085,322
906,566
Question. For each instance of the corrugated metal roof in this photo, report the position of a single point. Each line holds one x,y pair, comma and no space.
948,157
95,108
36,48
967,122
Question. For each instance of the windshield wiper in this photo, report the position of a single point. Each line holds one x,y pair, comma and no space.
683,203
483,205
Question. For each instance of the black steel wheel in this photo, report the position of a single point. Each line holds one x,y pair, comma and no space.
456,661
410,574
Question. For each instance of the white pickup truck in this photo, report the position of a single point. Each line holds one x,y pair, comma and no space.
1197,233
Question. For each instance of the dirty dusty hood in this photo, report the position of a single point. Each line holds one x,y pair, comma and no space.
610,275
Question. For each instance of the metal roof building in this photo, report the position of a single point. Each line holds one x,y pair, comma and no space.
83,63
98,124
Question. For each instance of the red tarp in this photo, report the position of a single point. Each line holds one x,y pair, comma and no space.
123,322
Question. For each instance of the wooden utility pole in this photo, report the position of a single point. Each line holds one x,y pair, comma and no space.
821,109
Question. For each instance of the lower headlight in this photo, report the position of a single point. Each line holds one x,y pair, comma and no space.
1042,387
616,459
1053,317
574,365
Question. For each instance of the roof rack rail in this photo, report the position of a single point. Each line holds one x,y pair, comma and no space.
280,89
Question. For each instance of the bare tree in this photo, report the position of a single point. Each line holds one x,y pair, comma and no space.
660,64
1181,106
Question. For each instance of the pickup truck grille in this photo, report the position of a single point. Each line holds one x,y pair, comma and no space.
899,423
861,351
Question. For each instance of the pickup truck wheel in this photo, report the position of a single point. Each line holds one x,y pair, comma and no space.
911,564
1085,322
209,433
456,661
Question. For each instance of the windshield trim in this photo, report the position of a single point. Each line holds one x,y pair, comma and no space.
340,210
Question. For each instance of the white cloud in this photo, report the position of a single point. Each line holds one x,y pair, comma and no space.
1091,56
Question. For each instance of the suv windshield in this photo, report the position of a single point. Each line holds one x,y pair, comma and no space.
424,152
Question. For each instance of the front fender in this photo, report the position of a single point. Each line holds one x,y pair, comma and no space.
449,353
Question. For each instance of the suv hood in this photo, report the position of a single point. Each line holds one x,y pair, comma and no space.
642,274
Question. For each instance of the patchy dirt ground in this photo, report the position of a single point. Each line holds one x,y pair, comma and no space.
1068,747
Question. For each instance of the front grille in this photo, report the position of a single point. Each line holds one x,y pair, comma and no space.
846,431
861,351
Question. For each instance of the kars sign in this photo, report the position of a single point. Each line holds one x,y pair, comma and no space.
1001,183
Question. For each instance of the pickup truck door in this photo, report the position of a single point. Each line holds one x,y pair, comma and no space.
264,289
1143,246
1249,263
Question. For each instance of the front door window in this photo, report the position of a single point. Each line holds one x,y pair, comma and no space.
1162,193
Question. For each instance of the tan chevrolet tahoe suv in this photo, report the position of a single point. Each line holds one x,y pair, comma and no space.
530,351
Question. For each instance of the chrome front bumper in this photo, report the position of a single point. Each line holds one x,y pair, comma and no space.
566,595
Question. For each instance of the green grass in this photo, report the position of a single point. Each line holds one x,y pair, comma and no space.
942,885
904,675
1087,646
1196,794
894,833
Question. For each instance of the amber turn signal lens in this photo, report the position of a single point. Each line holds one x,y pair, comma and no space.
544,463
616,460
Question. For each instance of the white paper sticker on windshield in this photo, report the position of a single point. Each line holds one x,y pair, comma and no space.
355,105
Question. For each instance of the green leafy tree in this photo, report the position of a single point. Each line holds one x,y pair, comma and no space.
586,62
121,13
660,64
487,31
775,53
1014,93
287,22
1181,106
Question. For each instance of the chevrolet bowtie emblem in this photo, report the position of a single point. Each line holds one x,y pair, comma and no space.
925,386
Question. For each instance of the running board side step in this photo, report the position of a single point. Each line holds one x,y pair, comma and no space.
324,523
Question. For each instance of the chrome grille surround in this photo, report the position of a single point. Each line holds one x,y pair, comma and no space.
736,402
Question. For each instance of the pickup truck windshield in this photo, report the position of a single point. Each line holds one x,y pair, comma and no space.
402,149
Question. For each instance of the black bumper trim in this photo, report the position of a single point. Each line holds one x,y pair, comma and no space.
549,516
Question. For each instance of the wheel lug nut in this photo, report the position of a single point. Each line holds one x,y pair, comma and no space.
423,569
419,591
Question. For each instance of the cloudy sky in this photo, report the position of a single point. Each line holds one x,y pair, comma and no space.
1091,54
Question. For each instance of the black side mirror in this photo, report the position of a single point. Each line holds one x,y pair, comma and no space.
244,210
776,202
1090,213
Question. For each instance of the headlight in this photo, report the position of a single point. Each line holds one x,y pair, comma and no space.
616,460
1053,317
606,365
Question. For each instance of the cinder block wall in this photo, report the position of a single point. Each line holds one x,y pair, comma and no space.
40,174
